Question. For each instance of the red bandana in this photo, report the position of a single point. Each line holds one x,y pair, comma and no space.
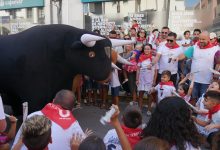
169,83
55,113
145,57
215,43
182,95
215,109
209,45
133,135
172,47
139,39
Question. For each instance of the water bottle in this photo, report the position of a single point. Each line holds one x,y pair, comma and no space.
106,119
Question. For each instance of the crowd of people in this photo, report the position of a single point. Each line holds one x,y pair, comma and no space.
179,77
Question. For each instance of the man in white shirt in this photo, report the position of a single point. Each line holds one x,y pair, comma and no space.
64,125
164,56
202,54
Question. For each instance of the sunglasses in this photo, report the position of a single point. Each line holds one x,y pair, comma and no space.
164,32
127,38
168,40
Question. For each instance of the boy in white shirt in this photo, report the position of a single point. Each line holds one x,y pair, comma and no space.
212,123
165,87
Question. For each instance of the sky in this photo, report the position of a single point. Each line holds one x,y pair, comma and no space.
191,3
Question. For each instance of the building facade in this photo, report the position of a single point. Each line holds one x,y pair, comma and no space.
18,15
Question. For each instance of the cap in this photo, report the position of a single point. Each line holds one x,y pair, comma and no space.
212,35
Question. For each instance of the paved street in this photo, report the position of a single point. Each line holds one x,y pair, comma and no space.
88,117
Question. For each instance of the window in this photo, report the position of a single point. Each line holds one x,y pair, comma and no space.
41,12
13,13
29,13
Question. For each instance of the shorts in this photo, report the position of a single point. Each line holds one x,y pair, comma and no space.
115,91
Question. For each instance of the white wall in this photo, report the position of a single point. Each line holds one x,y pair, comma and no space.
73,13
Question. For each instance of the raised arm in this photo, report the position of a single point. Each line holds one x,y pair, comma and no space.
121,135
191,86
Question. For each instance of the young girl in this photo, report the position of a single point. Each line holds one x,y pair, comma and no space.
145,78
184,90
171,121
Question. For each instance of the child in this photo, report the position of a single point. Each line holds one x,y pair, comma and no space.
202,112
184,90
171,121
132,118
165,87
115,86
212,123
133,58
145,78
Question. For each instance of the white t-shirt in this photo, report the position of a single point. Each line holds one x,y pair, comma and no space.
114,79
203,60
164,91
185,41
60,137
111,140
215,120
2,113
166,54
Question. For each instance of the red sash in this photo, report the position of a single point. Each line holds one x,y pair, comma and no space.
169,83
144,57
172,47
215,109
60,116
209,45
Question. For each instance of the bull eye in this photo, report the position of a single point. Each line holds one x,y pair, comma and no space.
92,54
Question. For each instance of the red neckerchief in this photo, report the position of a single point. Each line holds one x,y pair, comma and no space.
172,47
169,83
55,113
215,43
182,95
133,135
194,41
209,45
215,109
144,57
139,39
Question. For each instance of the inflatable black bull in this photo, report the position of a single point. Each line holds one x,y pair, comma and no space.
40,61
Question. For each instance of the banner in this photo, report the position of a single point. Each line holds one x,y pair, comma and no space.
14,4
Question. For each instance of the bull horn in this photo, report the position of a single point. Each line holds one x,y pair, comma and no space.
115,67
89,40
116,42
123,61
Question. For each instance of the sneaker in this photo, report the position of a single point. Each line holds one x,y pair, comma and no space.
133,103
149,113
126,80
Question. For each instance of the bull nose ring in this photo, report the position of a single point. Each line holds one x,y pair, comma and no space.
91,54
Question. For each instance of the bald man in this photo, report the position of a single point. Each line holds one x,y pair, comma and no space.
202,55
64,125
